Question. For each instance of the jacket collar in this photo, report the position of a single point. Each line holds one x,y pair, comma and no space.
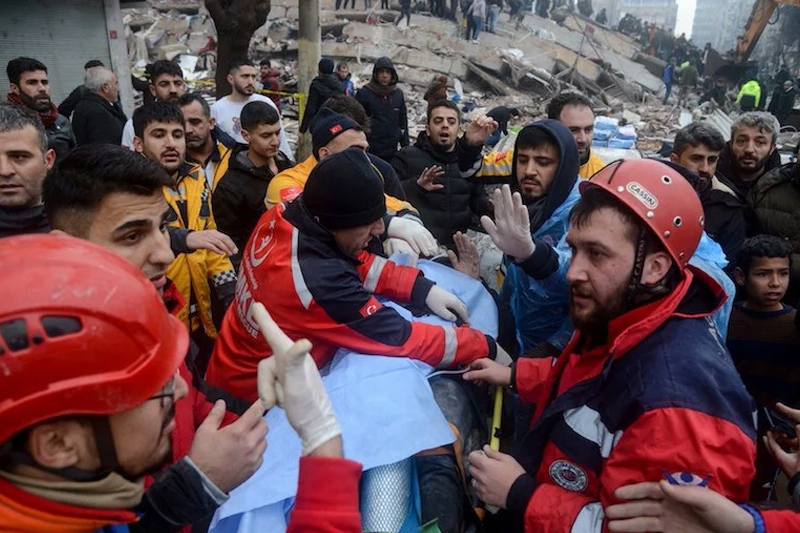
298,216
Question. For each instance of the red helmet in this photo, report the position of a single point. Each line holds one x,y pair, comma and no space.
82,331
661,198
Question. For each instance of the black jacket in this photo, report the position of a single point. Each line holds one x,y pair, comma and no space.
456,207
68,105
387,114
322,87
502,115
238,200
782,104
98,121
726,173
60,136
23,221
725,221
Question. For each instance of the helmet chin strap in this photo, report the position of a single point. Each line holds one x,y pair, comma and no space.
104,442
637,291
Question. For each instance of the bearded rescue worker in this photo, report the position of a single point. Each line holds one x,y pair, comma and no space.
306,261
646,388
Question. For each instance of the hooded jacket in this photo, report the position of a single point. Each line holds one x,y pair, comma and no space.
635,408
97,121
238,200
322,87
387,113
728,176
23,221
457,206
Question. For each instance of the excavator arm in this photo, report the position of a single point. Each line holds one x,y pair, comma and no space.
759,18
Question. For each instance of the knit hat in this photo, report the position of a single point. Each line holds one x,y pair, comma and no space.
327,125
345,191
326,65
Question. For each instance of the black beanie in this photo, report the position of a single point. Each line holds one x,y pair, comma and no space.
326,65
326,125
345,191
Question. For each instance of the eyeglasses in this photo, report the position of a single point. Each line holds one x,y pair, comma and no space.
167,392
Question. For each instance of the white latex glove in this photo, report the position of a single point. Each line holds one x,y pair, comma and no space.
291,380
511,229
446,305
393,245
420,239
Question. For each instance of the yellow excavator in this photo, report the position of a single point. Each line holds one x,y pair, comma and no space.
759,18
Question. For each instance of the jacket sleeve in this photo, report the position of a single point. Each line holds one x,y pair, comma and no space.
310,111
401,167
494,167
403,122
778,521
732,237
79,126
670,440
529,375
227,207
68,105
327,497
363,99
350,316
391,183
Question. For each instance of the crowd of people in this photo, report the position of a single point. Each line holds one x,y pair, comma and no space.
171,277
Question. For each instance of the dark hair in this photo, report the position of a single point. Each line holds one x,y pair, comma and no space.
16,117
594,199
443,103
533,137
187,98
161,67
265,63
86,176
257,113
349,107
165,112
93,63
17,67
236,64
762,246
695,134
557,104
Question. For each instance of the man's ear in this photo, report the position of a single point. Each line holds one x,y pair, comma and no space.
153,90
656,267
57,444
739,276
674,157
212,123
50,158
138,145
246,136
13,88
230,79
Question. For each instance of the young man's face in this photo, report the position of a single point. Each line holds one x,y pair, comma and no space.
198,125
700,159
442,128
23,168
168,88
264,70
536,168
164,143
243,80
34,90
580,122
134,227
750,149
600,269
343,71
384,76
264,139
353,240
766,282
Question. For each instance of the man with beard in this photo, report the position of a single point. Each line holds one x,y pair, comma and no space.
575,112
206,145
772,207
751,151
98,119
447,202
697,148
646,388
24,162
160,137
324,86
166,85
226,110
29,87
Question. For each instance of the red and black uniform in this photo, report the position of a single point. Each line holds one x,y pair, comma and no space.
660,396
313,290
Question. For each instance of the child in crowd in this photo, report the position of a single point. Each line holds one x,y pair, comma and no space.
762,338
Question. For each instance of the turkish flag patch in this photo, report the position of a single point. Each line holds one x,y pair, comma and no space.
335,129
290,193
370,308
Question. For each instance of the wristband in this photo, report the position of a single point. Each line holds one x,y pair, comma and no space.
758,520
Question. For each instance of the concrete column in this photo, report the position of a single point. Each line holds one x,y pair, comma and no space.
308,55
118,47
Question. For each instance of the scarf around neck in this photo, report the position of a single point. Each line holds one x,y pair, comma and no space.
48,117
381,90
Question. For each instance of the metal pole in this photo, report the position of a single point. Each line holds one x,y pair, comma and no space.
309,52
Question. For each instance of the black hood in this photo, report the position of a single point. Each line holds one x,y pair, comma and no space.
385,62
566,173
728,176
327,85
